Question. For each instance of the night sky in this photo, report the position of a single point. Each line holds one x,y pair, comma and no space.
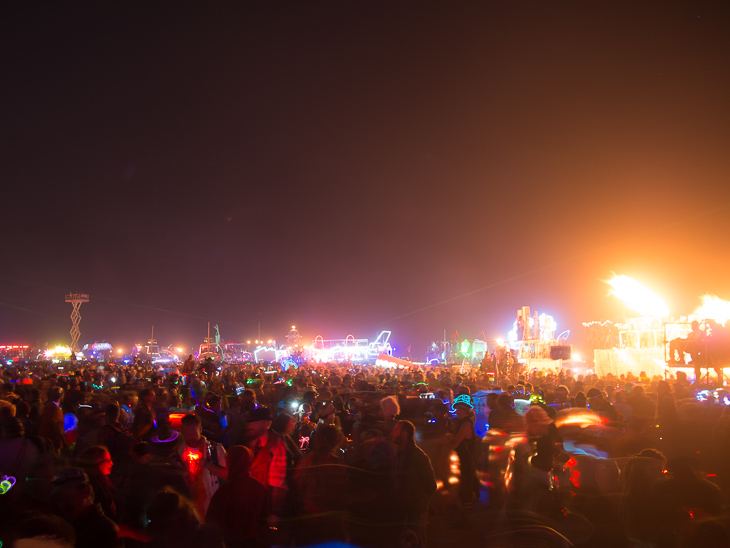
350,167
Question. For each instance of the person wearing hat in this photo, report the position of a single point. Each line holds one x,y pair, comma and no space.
74,499
465,443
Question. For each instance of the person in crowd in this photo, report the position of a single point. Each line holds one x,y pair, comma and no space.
693,345
685,495
51,426
97,463
36,409
270,461
73,497
504,418
608,412
155,466
40,530
284,425
415,481
373,466
204,462
643,409
18,455
116,438
304,427
344,416
639,511
213,418
128,402
465,443
238,508
173,521
667,420
144,417
321,479
579,401
390,409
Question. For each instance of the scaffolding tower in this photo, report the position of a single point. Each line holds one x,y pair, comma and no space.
76,299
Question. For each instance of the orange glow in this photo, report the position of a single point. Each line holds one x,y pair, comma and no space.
176,420
713,308
637,297
584,419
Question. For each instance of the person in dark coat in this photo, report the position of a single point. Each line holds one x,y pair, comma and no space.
415,480
238,507
321,479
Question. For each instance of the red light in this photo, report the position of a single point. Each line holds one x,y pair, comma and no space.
176,420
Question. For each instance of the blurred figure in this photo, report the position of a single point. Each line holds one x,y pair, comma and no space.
390,408
321,479
155,465
415,480
44,531
18,454
73,496
683,497
304,427
52,420
639,506
144,418
504,418
97,463
465,443
238,508
174,522
373,465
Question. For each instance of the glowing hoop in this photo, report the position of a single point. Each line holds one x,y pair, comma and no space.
6,484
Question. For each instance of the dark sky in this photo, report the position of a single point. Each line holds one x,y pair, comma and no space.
356,166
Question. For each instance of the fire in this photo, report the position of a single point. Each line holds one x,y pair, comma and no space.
713,308
637,297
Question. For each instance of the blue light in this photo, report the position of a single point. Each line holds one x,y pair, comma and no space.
70,422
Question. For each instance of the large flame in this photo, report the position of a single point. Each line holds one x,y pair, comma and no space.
713,308
637,297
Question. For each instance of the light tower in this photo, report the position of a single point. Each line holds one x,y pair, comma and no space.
76,299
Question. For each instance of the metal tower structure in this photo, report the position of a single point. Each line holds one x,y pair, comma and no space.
76,299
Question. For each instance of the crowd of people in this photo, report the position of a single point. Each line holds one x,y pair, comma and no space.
246,455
